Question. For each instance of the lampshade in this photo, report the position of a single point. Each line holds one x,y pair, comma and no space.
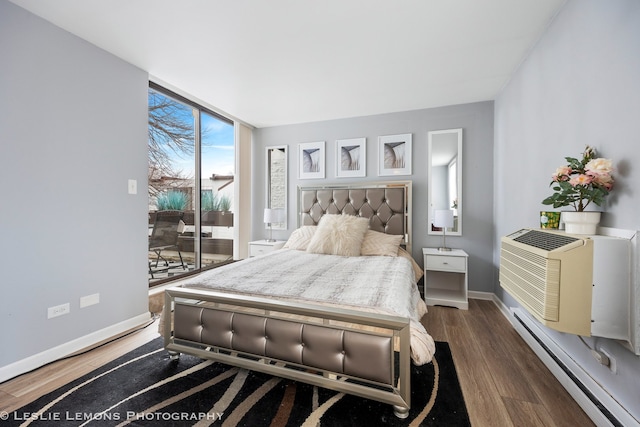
443,218
272,216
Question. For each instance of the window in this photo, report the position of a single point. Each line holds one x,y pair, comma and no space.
191,153
453,187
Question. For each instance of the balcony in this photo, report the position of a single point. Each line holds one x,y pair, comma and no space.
216,246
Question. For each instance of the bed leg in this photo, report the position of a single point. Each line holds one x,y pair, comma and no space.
400,412
174,355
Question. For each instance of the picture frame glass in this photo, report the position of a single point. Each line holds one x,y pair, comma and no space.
311,162
394,155
351,158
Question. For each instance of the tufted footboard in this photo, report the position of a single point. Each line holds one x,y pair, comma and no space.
280,338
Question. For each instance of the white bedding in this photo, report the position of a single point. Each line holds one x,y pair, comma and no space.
378,284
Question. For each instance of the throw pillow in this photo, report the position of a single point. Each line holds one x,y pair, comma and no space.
339,235
300,238
380,244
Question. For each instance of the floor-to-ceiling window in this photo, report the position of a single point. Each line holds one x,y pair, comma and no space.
191,186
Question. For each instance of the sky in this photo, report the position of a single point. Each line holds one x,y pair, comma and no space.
218,153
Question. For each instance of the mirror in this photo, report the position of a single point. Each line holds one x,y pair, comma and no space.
277,182
445,178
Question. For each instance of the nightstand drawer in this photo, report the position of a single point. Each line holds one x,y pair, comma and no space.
261,247
256,250
446,263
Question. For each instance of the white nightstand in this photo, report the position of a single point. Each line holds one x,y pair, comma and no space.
445,277
261,247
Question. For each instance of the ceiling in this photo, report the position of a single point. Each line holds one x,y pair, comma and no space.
279,62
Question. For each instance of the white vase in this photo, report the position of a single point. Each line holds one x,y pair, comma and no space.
581,222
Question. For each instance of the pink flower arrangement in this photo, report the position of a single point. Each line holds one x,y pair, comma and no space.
581,181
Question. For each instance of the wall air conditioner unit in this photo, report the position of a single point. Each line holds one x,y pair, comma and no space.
574,284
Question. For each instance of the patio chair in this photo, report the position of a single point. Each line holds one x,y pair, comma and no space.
167,228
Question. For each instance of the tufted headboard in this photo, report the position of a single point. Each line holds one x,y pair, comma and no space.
387,205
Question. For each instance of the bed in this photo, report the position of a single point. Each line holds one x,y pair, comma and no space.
337,307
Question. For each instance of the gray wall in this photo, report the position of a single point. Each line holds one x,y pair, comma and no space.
579,86
73,131
476,120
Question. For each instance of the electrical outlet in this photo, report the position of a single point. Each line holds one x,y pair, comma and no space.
613,366
89,300
58,310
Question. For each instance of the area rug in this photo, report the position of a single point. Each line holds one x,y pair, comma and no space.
145,388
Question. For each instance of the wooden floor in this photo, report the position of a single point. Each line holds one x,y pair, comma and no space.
503,382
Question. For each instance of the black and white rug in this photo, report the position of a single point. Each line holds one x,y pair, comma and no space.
145,388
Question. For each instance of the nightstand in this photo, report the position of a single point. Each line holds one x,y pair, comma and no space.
261,247
445,277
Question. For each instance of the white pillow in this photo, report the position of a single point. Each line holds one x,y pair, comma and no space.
300,238
380,244
339,235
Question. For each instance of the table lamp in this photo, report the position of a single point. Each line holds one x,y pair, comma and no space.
443,218
272,216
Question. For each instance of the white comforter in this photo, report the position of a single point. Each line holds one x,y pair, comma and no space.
370,283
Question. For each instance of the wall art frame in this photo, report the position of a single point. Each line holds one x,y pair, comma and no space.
311,160
351,158
394,154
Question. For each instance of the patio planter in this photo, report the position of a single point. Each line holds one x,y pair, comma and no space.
208,245
209,218
217,218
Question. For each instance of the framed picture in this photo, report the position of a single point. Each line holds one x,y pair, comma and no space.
394,155
351,157
311,160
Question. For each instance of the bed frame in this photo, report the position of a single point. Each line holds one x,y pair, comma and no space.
354,352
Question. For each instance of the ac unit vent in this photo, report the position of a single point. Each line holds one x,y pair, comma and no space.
546,241
573,284
550,275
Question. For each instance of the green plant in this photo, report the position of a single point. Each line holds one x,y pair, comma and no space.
171,200
581,182
208,200
224,203
215,202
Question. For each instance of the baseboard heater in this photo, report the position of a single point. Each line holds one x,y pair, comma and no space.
593,405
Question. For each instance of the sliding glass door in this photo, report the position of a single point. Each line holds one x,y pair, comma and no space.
191,186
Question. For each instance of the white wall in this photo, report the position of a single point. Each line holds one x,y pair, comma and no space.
73,129
476,120
579,86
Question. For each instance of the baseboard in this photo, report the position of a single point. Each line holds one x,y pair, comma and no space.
504,309
599,405
489,296
37,360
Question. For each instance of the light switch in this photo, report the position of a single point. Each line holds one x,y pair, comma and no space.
133,186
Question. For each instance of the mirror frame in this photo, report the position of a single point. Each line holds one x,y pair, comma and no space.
431,136
268,150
